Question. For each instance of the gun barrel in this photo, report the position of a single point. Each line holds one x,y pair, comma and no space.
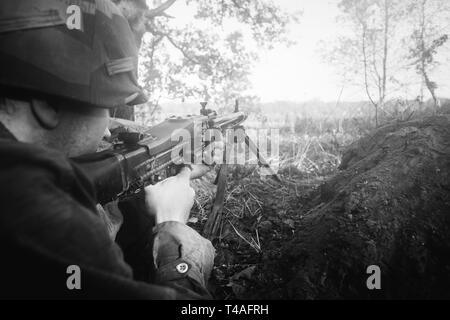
228,120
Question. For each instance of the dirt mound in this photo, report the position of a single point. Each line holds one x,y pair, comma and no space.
390,207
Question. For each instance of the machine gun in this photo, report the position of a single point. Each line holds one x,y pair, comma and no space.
138,159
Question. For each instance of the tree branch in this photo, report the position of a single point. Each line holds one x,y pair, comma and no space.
385,52
366,80
152,29
154,44
159,11
182,50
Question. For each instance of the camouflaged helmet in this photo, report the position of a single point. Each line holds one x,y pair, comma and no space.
83,50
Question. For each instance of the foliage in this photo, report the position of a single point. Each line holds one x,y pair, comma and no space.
210,57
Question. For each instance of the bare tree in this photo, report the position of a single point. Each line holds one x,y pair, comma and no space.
366,52
427,37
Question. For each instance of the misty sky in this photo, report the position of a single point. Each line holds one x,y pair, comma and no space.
298,73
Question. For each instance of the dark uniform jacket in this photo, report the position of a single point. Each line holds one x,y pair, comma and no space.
49,222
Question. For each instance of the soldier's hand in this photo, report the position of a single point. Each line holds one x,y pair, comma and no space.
171,199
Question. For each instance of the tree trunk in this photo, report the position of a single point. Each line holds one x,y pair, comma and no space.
431,88
366,78
134,12
423,64
385,55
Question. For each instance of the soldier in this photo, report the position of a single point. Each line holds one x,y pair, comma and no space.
59,79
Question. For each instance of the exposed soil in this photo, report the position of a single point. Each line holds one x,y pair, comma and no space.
389,205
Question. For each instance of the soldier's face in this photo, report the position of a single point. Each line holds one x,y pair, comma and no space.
82,130
71,128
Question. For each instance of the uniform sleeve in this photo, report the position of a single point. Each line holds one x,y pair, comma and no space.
182,257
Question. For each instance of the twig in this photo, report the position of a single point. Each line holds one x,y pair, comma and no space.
251,243
231,193
257,238
313,163
248,208
159,10
199,205
254,197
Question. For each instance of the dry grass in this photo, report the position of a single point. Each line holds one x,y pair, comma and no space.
260,214
304,162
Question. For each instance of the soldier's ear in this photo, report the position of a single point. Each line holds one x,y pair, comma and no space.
47,115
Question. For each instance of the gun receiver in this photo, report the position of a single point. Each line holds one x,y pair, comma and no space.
138,159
